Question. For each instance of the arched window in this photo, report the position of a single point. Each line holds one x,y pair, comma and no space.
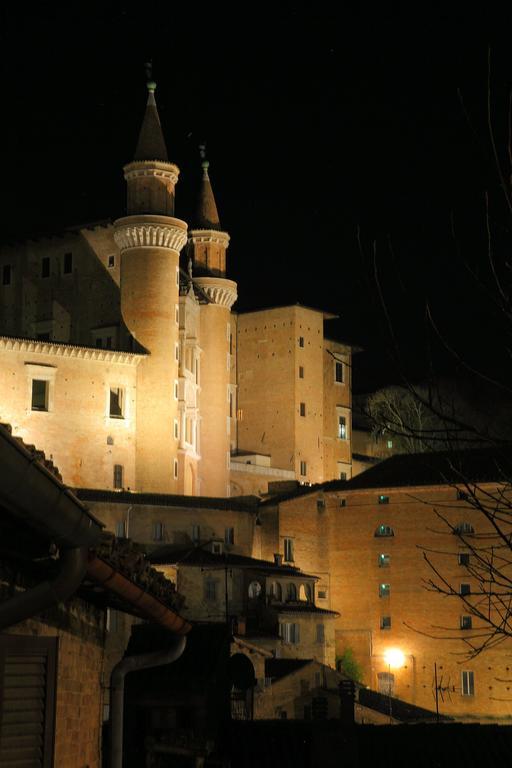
306,593
254,589
464,529
384,530
276,592
291,593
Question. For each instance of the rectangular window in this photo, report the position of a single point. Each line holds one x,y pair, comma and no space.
118,475
322,594
320,505
384,590
229,536
210,590
383,499
176,390
303,409
40,390
45,266
464,558
465,589
158,531
177,276
288,550
320,633
120,529
343,502
384,560
389,444
385,622
468,683
68,263
176,429
196,534
466,622
301,371
116,404
343,475
6,274
111,261
303,468
342,428
301,341
175,469
289,632
338,372
177,352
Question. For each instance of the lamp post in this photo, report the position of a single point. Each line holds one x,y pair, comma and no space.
395,659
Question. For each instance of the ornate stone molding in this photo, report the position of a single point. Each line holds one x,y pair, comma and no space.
218,290
209,236
150,232
60,349
152,168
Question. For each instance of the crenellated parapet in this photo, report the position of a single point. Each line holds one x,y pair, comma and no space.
218,290
150,232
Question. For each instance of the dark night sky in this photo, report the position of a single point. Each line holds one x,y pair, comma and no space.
319,125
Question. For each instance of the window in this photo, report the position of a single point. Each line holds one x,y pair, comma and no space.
111,261
288,550
338,372
120,529
276,591
384,590
301,371
229,536
342,428
322,594
68,263
177,314
230,405
40,391
196,533
158,531
464,528
303,468
303,409
385,622
176,391
210,589
384,530
6,274
383,499
462,495
116,404
217,547
301,341
466,622
320,505
254,589
389,444
320,633
465,589
343,502
384,560
468,683
386,683
45,266
176,429
289,633
175,469
343,476
291,592
118,475
463,558
177,352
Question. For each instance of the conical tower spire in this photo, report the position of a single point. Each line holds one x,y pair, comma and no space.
151,144
206,216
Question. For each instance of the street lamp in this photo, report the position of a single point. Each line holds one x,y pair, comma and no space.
395,658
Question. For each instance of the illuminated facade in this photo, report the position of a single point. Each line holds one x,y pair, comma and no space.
121,357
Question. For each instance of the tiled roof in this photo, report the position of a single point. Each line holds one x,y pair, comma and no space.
305,608
278,668
151,143
199,556
35,453
206,215
236,503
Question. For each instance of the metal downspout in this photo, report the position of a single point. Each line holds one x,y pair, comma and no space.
132,664
37,599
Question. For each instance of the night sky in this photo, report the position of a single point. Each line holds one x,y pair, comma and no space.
341,144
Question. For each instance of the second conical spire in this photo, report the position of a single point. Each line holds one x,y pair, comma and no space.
151,143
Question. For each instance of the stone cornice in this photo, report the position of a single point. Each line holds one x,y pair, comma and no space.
218,290
152,168
256,469
150,231
59,349
208,236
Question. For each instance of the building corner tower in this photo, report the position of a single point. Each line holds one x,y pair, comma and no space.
150,240
207,248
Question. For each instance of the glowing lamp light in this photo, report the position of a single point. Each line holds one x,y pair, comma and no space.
394,658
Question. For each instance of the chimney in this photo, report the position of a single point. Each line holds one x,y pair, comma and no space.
278,558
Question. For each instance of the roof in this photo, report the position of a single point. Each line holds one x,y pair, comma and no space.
278,668
327,315
400,710
236,503
305,608
206,215
199,556
486,465
151,143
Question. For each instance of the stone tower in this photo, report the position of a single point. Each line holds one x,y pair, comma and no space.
207,248
150,240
